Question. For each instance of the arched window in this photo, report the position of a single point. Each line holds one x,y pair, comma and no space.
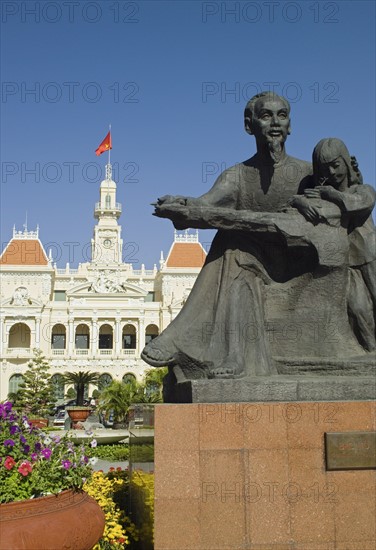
128,378
129,337
82,340
151,332
104,381
19,336
57,381
14,383
105,337
108,201
58,337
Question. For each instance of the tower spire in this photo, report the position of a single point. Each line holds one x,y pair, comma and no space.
108,171
25,224
109,165
107,243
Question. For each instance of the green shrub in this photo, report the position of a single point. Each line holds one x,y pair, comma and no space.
111,452
143,452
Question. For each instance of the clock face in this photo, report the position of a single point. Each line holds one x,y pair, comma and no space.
107,243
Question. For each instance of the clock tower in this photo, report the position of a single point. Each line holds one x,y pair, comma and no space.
106,245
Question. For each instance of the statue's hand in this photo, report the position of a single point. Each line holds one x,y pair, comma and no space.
170,206
313,193
326,192
307,210
171,199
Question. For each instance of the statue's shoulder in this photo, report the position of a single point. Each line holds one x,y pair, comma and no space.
235,169
231,175
364,189
299,174
304,166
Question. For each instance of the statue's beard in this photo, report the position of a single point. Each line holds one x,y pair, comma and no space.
275,149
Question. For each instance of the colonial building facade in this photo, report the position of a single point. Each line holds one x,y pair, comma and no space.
97,317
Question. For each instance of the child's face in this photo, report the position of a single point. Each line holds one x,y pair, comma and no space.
334,171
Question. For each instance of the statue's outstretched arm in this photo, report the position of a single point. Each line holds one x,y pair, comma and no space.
223,194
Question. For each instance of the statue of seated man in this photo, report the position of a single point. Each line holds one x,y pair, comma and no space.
229,287
264,247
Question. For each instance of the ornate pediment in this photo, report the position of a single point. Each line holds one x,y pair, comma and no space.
22,301
104,285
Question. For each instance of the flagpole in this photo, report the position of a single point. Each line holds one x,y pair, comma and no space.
109,149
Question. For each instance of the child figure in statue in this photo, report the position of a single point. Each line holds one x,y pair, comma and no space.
337,179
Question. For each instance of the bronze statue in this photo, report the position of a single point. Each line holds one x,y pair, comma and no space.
269,266
338,180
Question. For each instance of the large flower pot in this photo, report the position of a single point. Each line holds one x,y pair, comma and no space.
68,521
78,415
38,422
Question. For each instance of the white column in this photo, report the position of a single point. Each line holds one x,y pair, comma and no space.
70,336
117,337
94,339
2,336
6,336
37,332
141,336
32,338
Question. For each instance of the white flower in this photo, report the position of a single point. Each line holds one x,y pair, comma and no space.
47,440
93,460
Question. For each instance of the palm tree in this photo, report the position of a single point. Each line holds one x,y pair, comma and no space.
147,394
81,379
118,397
153,384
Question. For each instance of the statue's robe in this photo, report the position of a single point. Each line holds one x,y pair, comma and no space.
356,206
262,244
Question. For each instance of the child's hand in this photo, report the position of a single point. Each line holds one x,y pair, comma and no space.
326,192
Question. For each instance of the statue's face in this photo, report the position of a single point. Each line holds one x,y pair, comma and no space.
270,121
334,171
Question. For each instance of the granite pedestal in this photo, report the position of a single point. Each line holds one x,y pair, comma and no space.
253,476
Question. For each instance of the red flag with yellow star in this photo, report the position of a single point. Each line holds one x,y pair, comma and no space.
105,145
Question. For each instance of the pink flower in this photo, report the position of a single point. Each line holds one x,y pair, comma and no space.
66,464
9,462
25,468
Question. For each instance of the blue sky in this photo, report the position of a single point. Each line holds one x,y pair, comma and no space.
172,78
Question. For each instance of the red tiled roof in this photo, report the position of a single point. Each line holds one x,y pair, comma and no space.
186,255
24,252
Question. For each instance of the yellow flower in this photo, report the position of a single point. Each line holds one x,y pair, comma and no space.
102,490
